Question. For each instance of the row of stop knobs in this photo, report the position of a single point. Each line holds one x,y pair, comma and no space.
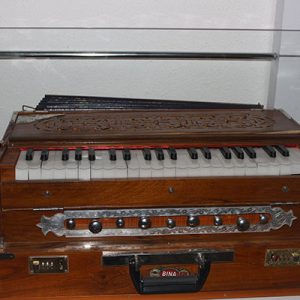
95,226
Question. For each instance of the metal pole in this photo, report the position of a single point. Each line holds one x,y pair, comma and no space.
7,55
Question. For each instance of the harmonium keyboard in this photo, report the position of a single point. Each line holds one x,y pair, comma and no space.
134,201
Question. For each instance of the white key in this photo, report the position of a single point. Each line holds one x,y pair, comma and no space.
157,169
22,167
294,158
121,167
108,165
71,166
114,169
227,167
97,165
285,166
181,163
205,165
47,167
239,165
34,166
84,167
59,166
169,165
250,165
193,166
144,165
133,168
266,165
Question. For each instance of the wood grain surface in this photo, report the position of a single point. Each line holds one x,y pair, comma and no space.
152,192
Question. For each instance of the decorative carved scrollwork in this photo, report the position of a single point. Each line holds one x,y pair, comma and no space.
151,121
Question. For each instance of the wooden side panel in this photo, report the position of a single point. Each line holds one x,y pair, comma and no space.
152,193
8,163
87,276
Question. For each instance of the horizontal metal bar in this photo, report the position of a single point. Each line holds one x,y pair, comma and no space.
145,28
135,55
290,55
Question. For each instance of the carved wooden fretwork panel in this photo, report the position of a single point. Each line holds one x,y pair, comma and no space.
154,121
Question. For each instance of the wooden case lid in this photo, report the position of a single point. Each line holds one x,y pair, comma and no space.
160,125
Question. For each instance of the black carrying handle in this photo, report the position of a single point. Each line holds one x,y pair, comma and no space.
161,285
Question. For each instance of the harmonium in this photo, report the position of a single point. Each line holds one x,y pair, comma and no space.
147,197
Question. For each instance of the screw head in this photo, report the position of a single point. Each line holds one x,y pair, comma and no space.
47,193
171,189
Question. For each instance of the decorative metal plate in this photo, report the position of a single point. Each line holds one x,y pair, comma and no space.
56,223
282,257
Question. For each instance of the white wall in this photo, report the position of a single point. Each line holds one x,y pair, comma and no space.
138,13
288,78
155,25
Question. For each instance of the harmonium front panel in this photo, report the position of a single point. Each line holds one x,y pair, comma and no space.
153,203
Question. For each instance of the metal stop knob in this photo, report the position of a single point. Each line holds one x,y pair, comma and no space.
144,223
95,226
243,224
193,221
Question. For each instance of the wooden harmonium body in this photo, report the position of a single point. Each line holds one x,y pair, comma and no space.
127,202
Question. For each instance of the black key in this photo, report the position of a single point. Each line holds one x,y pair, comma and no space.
126,154
112,154
238,152
92,155
65,154
226,152
78,154
270,151
250,152
283,150
193,153
206,152
44,155
172,153
159,154
147,154
29,154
